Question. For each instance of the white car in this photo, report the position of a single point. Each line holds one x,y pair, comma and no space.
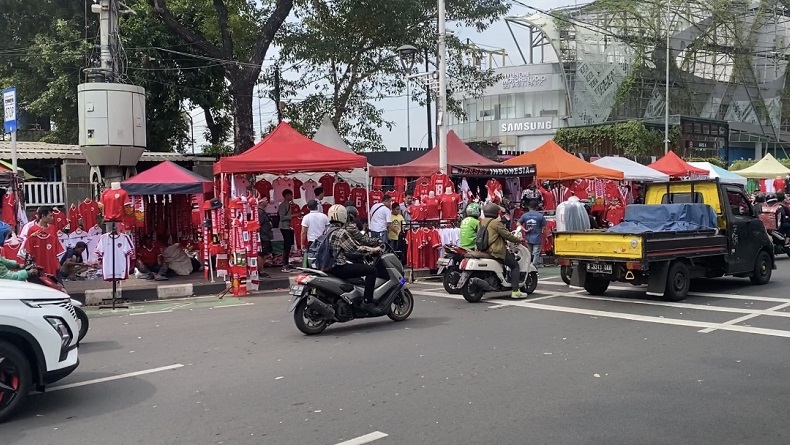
38,341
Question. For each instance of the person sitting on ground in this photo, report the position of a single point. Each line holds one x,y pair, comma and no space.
178,262
344,249
72,263
8,268
497,247
149,260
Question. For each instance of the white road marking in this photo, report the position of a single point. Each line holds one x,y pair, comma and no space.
241,304
699,307
769,311
166,311
115,377
367,438
692,294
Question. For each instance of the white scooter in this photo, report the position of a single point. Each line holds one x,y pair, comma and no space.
481,273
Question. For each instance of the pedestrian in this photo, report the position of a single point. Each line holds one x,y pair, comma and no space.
395,230
533,223
266,233
404,207
313,224
381,219
286,217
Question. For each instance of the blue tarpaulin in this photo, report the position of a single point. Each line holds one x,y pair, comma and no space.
640,218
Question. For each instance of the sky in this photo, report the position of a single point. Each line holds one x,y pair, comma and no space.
496,37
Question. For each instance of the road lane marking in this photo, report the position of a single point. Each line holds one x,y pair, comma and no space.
697,307
367,438
695,294
166,311
749,317
241,304
115,377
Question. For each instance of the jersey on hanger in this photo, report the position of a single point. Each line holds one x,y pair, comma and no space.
309,189
327,182
422,188
9,209
439,182
376,196
264,188
297,188
359,198
114,251
74,217
280,185
89,212
449,205
494,189
342,192
59,220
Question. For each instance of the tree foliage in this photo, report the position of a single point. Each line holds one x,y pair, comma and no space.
346,51
624,138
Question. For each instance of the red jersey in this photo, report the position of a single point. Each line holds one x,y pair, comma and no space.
432,207
327,182
264,187
74,218
296,225
59,219
342,192
114,202
779,185
89,212
11,252
147,256
400,184
580,189
304,210
449,204
549,201
615,214
414,240
9,209
422,188
439,183
418,212
397,197
45,249
325,207
376,196
431,244
359,197
494,189
298,188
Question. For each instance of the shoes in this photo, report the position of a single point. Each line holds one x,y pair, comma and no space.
160,278
368,306
517,295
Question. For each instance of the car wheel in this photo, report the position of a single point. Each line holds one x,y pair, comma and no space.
16,379
763,268
84,323
566,273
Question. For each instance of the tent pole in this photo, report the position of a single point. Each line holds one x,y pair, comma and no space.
367,189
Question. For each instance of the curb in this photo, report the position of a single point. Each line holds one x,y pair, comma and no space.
94,297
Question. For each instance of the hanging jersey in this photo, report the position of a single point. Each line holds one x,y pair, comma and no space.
439,183
114,202
74,218
11,252
309,189
64,240
78,236
422,188
9,209
418,212
59,220
297,188
327,182
359,198
494,189
342,192
376,196
397,197
449,205
264,188
114,251
279,186
45,249
432,208
89,212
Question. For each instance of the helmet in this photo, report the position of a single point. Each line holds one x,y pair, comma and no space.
491,210
770,198
759,197
473,210
5,232
338,213
352,212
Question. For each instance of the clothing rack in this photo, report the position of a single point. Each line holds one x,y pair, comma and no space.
428,223
113,233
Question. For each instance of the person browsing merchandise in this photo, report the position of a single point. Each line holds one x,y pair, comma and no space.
395,230
533,223
381,219
284,212
313,224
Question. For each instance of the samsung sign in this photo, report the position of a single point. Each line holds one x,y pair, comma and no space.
522,79
526,126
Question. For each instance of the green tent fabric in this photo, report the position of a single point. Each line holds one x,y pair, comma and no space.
767,167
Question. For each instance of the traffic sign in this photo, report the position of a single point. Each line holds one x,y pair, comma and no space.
9,108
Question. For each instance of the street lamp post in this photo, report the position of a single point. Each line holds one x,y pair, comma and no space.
442,113
666,92
406,54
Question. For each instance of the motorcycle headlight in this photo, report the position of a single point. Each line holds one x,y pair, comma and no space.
61,328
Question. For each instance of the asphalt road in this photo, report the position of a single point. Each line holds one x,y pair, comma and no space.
558,368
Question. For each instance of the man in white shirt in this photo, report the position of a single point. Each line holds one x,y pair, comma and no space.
381,219
313,224
177,260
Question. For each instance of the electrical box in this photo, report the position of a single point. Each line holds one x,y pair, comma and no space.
112,123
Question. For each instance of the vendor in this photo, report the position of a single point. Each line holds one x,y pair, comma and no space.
178,262
149,260
72,263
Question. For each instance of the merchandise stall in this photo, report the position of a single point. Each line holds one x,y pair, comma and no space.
725,176
233,222
769,174
13,208
677,168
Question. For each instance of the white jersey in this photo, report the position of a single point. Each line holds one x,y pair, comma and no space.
94,234
279,185
64,240
77,236
115,251
25,230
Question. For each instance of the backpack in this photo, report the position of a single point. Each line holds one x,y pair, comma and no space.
481,240
319,255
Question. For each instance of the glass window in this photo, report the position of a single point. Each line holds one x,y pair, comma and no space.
705,129
697,128
487,129
739,203
471,111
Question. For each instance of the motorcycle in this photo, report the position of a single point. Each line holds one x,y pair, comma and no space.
449,266
50,281
779,239
320,300
481,273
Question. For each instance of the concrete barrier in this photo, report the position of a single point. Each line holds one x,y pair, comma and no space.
164,292
94,297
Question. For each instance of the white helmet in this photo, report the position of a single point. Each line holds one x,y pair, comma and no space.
338,213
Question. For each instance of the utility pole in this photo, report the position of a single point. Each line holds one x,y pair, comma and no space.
428,104
666,92
441,114
260,113
277,92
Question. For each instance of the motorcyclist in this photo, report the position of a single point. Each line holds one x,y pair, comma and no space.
759,202
497,247
8,267
469,226
352,226
345,249
782,220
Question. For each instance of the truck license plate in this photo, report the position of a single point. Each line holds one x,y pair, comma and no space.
599,268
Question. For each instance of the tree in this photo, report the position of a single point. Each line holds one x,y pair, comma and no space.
346,49
236,33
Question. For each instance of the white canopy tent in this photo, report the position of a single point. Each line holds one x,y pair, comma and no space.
632,171
724,176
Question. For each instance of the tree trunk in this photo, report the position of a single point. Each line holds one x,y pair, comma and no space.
215,132
242,109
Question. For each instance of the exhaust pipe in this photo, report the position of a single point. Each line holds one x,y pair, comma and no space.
484,285
319,306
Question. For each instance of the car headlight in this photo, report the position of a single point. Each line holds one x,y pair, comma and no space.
61,328
31,303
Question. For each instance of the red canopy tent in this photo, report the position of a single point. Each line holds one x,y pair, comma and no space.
672,165
555,164
285,150
458,154
167,178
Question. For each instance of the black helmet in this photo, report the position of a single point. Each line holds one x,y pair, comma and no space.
491,210
770,198
353,214
759,197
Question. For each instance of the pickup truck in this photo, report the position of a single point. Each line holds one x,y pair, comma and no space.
667,261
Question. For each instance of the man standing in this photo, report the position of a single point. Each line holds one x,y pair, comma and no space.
313,224
284,212
266,231
533,223
404,207
395,231
381,219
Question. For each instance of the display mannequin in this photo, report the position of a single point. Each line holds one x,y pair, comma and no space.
432,206
449,203
113,200
418,211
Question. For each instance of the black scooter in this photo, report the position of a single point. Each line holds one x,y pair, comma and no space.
320,299
779,239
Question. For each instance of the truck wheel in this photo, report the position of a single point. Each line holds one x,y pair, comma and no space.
566,273
763,268
16,378
596,286
678,282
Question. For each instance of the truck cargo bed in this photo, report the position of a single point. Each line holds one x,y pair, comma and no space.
638,246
